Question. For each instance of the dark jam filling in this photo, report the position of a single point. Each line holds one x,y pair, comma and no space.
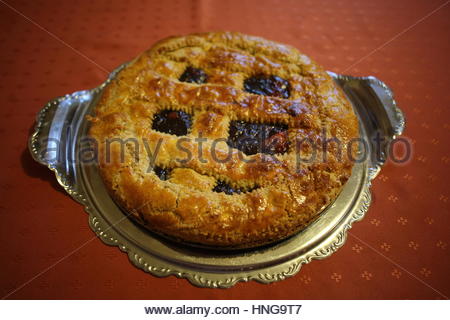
224,187
252,138
194,75
268,86
172,122
162,173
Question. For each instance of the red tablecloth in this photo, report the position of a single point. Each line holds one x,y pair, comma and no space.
49,48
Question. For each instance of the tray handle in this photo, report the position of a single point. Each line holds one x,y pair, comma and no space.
382,119
53,141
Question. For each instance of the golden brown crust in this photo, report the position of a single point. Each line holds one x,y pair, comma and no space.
288,197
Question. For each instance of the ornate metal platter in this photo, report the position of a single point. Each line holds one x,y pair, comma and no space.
60,134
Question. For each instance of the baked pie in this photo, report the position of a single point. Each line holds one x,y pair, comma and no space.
224,139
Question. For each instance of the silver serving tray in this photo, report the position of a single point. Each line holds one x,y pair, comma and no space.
63,120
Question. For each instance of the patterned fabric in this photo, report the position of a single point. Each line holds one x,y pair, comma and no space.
400,250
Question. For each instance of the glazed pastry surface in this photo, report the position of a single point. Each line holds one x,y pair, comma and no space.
226,140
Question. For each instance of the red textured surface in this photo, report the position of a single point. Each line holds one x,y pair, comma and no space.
406,228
